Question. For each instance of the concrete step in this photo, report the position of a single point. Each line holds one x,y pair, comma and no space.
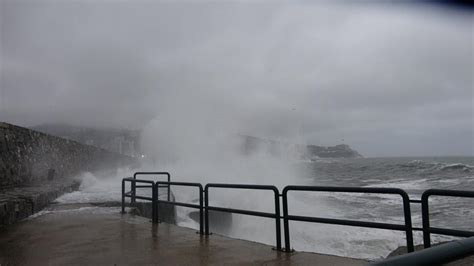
17,203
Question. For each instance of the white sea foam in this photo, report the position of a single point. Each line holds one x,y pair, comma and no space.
403,184
97,188
93,209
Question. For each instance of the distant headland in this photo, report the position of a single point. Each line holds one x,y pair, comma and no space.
306,152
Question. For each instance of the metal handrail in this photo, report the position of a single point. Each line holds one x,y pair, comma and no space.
436,255
204,207
406,208
182,204
133,196
150,173
427,230
275,215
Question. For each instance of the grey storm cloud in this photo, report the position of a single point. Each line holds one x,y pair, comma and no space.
388,79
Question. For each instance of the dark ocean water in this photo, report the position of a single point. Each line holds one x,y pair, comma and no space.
434,172
414,175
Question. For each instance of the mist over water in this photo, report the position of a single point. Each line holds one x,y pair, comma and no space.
203,149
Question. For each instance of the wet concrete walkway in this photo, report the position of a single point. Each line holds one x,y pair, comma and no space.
88,235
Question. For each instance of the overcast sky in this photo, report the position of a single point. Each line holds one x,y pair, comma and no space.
387,79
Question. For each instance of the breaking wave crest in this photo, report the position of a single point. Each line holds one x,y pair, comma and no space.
436,166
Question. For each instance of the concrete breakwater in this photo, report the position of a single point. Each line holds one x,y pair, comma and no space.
36,168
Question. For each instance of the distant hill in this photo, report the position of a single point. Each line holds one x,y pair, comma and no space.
338,151
307,152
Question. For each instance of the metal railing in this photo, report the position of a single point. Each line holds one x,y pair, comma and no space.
182,204
132,194
134,187
427,229
438,255
275,215
204,207
406,209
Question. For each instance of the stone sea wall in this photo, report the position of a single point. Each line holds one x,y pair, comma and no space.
36,168
28,156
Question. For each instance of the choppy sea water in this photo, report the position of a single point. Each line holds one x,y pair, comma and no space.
414,175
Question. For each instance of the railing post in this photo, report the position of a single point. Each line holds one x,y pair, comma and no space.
206,209
134,190
277,218
425,217
408,223
286,226
157,206
154,204
169,180
201,211
123,196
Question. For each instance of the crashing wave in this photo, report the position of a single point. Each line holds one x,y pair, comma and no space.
418,164
457,166
437,166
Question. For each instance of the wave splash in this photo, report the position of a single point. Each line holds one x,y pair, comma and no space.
437,166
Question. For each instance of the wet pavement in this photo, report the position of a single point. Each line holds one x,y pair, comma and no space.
91,235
